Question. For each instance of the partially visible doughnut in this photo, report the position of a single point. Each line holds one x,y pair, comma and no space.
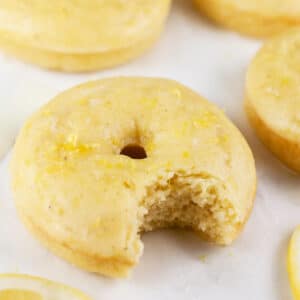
258,18
80,35
273,96
110,159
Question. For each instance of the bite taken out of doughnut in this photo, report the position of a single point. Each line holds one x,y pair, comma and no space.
273,96
81,35
111,159
258,18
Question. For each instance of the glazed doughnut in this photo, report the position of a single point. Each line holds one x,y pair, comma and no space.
110,159
273,96
80,35
258,18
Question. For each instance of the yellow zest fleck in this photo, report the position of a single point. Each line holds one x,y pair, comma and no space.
56,208
206,120
52,169
115,142
285,81
150,147
107,103
233,182
183,129
154,167
97,226
28,126
72,140
14,294
186,154
132,164
169,165
213,140
150,103
59,166
129,164
106,164
83,102
75,202
72,145
186,127
203,258
27,162
46,113
60,211
176,93
223,139
81,148
119,165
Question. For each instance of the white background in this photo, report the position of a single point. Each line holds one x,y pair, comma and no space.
212,62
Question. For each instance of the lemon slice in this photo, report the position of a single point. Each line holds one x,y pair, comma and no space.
24,287
293,263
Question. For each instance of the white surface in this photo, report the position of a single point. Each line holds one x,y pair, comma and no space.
212,62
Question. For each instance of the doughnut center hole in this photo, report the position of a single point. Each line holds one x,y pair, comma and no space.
134,151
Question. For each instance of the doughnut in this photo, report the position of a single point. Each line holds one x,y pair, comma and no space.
82,35
273,96
258,18
110,159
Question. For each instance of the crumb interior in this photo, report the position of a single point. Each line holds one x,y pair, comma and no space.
189,202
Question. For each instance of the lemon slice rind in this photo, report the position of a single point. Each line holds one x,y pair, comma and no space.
48,290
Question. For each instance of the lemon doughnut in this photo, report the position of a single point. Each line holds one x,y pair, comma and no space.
259,18
80,35
110,159
273,96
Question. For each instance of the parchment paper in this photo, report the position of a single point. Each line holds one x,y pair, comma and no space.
175,265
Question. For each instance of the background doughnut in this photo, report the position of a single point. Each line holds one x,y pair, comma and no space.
273,96
258,18
80,35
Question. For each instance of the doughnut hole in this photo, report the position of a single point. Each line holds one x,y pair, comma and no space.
134,151
189,201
